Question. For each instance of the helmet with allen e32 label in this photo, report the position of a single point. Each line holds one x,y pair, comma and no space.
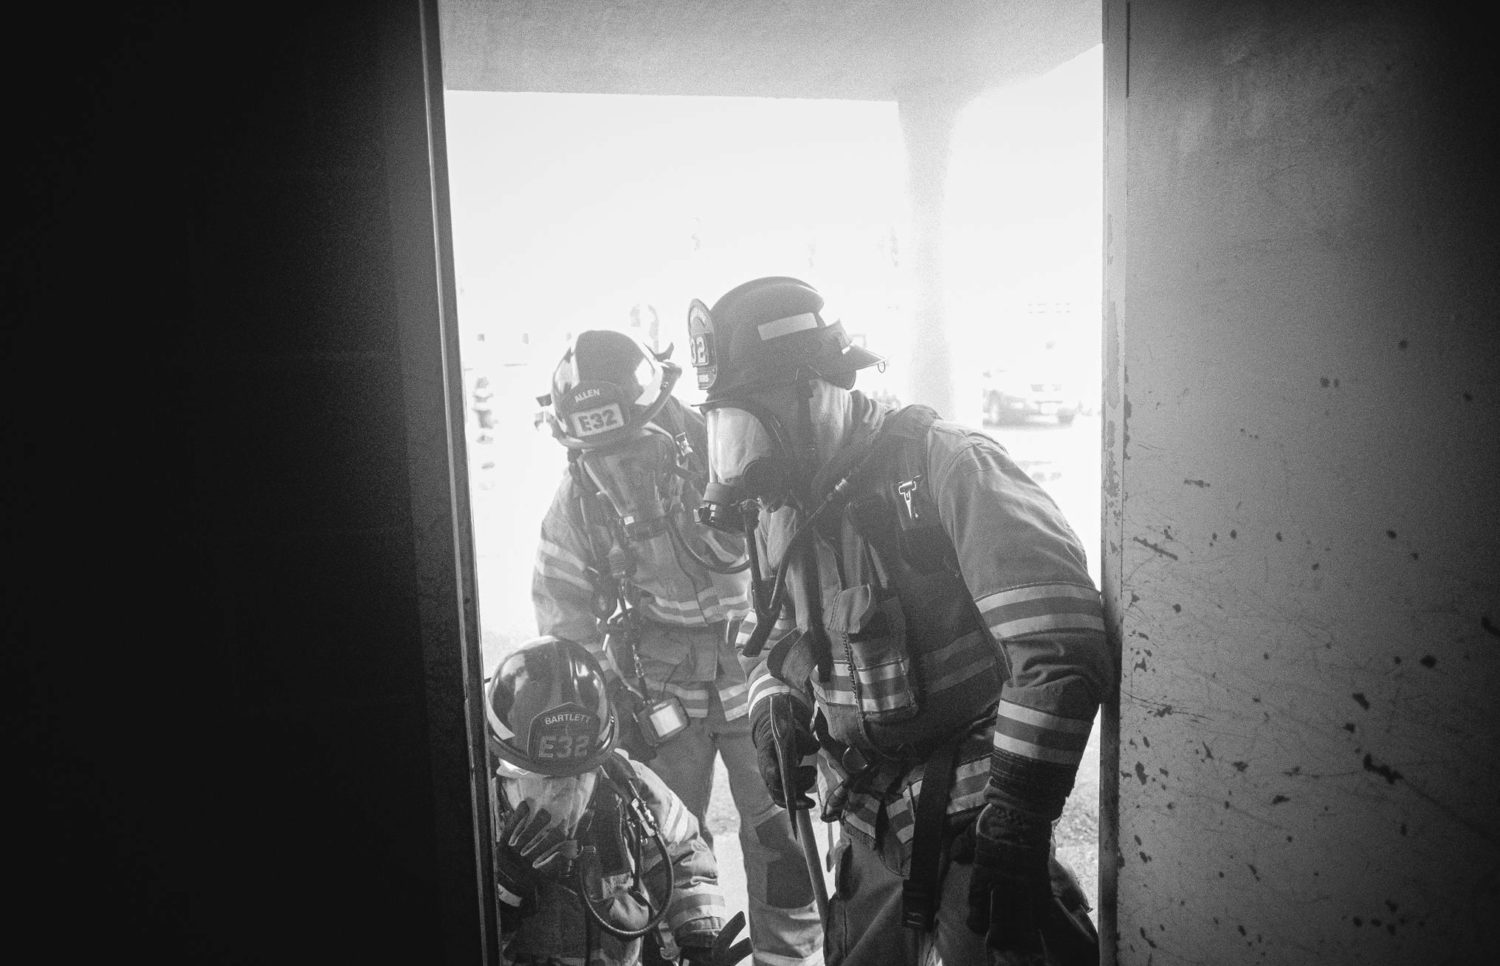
606,388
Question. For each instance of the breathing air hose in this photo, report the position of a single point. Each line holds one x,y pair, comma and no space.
766,619
706,563
590,878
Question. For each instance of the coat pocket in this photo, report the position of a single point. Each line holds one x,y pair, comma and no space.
872,629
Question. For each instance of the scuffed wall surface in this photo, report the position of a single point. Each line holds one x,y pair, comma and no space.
1301,470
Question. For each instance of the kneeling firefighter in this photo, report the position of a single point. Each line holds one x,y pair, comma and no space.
624,568
938,641
593,854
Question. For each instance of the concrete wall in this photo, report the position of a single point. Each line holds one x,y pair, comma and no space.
1303,544
233,626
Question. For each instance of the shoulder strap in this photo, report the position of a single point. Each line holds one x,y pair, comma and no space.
609,559
624,778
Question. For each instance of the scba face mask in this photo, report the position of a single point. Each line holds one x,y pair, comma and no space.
641,479
749,458
564,800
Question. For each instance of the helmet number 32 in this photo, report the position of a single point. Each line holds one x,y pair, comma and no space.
592,421
558,747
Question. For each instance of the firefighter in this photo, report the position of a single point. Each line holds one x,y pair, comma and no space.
923,619
623,568
593,854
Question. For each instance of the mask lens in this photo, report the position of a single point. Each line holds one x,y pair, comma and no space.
744,456
637,480
565,799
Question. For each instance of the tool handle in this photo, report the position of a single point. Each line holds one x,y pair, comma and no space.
803,820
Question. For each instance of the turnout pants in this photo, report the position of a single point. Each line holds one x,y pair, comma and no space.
864,915
784,926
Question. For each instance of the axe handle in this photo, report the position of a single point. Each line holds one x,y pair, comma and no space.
802,820
802,828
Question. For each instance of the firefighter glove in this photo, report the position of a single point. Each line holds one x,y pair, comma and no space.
783,737
1010,893
527,850
720,950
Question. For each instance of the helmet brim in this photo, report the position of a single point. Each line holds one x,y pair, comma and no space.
837,367
856,357
508,754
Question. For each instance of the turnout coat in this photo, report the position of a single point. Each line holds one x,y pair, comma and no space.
998,650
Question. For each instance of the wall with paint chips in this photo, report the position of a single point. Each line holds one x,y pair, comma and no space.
1301,528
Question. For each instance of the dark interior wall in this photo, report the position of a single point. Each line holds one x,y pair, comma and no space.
217,599
1304,232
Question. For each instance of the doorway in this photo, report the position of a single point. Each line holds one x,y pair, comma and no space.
576,210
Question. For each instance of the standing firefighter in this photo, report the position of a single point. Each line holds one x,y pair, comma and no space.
935,637
593,853
623,568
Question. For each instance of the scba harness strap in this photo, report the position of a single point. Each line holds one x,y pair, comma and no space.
892,509
900,515
923,545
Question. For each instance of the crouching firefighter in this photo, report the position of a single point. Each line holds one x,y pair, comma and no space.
597,863
938,641
624,568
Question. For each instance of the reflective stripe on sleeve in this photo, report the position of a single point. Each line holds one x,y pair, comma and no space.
1040,608
561,555
677,823
762,687
555,563
691,905
1040,735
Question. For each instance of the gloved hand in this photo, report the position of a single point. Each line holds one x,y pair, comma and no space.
627,705
706,949
783,716
1010,893
527,848
697,954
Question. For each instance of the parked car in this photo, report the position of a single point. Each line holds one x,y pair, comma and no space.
1013,395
